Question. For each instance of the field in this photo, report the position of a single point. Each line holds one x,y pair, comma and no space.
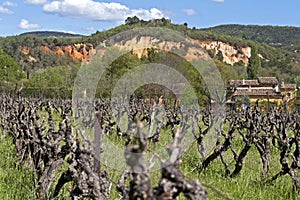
44,153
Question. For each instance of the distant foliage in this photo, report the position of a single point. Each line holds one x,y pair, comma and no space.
52,34
132,20
36,57
286,37
276,46
10,73
297,80
52,82
254,63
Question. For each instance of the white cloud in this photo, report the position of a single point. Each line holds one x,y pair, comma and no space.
5,10
98,10
219,1
36,2
24,24
189,12
9,3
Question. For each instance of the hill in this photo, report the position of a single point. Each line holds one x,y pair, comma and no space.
52,34
285,37
228,45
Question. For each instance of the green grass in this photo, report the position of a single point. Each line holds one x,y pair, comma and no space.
16,183
247,185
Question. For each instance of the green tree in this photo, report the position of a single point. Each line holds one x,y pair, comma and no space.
254,63
10,71
246,99
132,20
297,81
52,81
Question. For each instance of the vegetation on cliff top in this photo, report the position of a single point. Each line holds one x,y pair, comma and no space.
52,34
281,61
285,37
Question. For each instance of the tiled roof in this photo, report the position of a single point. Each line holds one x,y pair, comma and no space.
257,92
263,87
268,80
288,86
243,82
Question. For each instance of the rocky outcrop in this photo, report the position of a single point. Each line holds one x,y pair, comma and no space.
24,49
231,54
77,52
46,48
139,45
58,51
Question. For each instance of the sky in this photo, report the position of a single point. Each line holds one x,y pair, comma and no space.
88,16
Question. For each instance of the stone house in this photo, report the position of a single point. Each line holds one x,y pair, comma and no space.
263,91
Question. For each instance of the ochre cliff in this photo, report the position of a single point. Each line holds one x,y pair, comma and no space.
77,52
231,54
139,45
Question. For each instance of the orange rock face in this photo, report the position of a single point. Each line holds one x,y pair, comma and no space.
77,52
25,50
46,48
58,51
80,52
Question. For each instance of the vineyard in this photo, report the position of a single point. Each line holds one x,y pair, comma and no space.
67,160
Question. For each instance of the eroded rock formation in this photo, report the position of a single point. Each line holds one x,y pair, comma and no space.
231,54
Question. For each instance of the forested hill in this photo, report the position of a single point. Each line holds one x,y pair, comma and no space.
286,37
51,34
229,46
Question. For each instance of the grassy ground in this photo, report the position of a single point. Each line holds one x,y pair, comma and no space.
248,185
16,183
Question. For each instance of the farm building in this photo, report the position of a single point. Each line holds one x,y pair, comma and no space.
263,90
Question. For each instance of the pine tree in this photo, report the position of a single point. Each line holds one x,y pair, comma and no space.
297,80
254,63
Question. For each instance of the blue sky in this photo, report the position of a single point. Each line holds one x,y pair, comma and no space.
88,16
